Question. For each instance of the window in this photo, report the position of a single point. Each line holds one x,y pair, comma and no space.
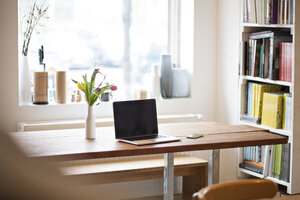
124,37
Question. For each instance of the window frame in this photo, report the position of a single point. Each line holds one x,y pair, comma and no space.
166,105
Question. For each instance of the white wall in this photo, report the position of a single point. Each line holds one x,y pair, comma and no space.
203,84
227,77
214,84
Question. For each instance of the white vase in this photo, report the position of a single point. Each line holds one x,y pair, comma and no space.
90,126
25,96
155,82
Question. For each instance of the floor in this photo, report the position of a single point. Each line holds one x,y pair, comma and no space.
176,197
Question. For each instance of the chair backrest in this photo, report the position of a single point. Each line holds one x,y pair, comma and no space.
238,190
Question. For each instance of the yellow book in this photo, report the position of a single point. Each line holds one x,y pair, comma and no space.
261,89
254,99
272,110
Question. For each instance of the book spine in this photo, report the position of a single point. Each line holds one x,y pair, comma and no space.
285,12
289,58
278,112
254,164
250,99
291,13
254,169
274,19
271,63
266,57
253,58
281,61
257,58
278,159
245,11
280,14
262,59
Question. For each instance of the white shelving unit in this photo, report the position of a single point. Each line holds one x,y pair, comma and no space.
293,186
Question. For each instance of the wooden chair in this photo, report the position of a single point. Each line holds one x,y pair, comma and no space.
238,190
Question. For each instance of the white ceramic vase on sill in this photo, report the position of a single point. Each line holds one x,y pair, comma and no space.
25,96
90,126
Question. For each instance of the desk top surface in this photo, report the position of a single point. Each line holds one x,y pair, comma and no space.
70,144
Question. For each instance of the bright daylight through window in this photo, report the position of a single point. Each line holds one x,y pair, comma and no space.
124,38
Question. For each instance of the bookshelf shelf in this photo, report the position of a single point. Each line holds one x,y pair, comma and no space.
277,181
273,130
249,25
272,51
261,176
251,173
263,80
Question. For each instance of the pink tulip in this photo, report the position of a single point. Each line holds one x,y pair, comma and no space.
113,88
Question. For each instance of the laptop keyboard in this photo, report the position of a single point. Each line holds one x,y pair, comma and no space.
146,137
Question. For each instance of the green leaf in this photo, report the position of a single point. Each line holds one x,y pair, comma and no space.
93,77
104,77
74,81
94,98
86,89
105,88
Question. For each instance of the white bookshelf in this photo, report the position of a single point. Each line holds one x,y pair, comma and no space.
267,25
293,186
278,181
273,130
251,173
264,80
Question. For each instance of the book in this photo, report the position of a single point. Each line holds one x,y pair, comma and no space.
268,11
272,110
285,163
274,18
263,53
284,112
258,90
250,98
274,55
255,164
248,167
285,61
291,12
266,57
251,119
288,112
277,161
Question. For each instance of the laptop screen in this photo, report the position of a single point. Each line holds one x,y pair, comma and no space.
135,118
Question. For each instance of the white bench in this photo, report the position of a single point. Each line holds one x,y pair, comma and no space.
193,170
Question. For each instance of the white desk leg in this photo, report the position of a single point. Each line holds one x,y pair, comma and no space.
169,176
213,166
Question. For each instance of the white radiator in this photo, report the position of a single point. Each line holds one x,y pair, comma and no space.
100,122
127,190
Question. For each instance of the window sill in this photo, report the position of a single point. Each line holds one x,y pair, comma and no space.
83,103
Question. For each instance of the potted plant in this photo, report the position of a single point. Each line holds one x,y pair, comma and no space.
92,94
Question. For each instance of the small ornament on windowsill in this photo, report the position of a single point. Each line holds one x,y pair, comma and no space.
41,57
78,96
40,87
73,96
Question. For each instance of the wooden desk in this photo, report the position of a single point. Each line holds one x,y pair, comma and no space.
72,145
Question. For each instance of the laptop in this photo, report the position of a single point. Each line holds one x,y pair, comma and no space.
136,123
